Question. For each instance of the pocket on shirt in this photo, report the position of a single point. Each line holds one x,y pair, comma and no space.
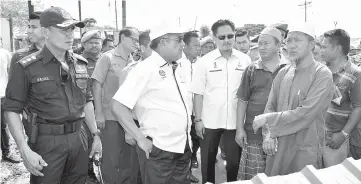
216,77
43,85
82,80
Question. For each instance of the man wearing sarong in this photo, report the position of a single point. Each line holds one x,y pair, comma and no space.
252,99
294,115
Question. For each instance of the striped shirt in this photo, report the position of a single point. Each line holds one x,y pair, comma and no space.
347,90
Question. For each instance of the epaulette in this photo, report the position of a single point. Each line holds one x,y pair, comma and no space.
28,60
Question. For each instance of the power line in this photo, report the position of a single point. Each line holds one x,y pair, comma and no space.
305,4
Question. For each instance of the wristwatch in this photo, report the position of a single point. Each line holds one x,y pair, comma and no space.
97,133
345,134
197,120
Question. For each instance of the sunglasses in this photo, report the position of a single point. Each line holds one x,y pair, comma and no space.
229,36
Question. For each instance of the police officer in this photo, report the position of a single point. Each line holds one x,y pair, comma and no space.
35,36
53,86
92,44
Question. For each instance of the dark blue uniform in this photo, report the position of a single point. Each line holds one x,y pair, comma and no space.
58,98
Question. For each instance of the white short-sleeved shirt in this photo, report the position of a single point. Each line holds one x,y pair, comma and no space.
151,91
218,79
5,57
186,67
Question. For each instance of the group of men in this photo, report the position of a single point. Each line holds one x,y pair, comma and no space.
147,118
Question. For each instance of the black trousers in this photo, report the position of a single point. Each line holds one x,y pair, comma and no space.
5,146
66,156
196,141
165,167
209,150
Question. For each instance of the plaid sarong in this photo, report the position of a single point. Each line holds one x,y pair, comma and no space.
253,161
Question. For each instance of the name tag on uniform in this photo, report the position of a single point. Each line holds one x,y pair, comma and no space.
42,79
240,69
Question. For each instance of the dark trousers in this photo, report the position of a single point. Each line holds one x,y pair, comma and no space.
5,146
66,157
195,140
116,165
165,167
355,152
135,176
209,150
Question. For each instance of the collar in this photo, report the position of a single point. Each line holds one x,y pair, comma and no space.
343,68
33,47
158,59
86,56
48,56
184,57
217,54
260,66
119,53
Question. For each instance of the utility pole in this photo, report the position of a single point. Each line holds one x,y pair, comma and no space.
335,23
116,14
305,4
79,9
31,7
124,13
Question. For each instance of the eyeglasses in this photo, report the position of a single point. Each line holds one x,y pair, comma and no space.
229,36
135,41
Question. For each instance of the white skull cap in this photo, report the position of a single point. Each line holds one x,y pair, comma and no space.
305,27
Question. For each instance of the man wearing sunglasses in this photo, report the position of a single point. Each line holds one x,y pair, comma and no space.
216,78
155,90
53,86
116,166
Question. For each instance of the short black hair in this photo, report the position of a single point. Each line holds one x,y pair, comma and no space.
220,23
144,38
339,37
189,35
35,15
127,31
242,32
106,40
155,42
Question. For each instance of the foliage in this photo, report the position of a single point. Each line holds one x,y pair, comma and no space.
19,12
253,29
205,31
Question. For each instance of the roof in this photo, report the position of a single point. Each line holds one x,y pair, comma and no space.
348,172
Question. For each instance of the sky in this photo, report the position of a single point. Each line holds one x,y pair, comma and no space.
145,14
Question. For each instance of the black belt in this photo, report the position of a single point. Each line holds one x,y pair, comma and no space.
59,129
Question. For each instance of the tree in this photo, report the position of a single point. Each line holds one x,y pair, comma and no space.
204,31
19,12
254,29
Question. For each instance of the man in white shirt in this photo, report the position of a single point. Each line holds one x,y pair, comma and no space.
215,82
5,57
191,51
156,90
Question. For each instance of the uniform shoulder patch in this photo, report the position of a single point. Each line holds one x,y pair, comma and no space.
80,58
28,60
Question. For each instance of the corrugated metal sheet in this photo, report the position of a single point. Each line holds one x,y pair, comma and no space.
348,172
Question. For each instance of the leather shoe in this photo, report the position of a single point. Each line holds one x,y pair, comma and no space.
194,179
9,158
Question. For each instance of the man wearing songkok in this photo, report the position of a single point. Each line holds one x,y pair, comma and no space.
252,98
294,115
